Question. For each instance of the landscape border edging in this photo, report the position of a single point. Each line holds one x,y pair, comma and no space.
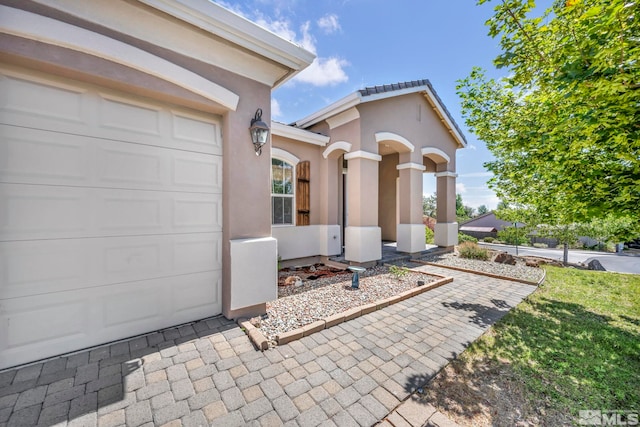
298,333
482,273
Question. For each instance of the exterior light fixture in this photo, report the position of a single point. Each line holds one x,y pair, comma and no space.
259,132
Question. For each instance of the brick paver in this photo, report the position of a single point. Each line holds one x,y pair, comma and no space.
359,372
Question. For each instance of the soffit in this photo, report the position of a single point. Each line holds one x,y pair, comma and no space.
198,29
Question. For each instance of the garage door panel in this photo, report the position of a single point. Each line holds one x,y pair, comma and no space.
132,118
197,173
191,298
29,268
34,156
33,101
110,215
47,212
192,212
28,155
47,325
200,135
37,212
44,320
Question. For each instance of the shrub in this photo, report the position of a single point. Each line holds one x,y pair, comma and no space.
540,245
513,236
428,235
470,250
466,238
488,239
398,272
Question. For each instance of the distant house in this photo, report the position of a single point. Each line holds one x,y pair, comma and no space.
486,225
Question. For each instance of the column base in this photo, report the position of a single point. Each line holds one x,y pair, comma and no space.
330,240
363,244
410,238
446,234
254,273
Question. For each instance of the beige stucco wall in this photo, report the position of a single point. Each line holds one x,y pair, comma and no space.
409,116
387,196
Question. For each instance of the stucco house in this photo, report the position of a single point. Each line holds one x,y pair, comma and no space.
131,195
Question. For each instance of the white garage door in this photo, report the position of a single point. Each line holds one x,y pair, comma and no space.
110,216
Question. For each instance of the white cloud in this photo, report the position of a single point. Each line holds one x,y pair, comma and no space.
279,27
329,23
460,188
235,8
275,109
322,71
472,147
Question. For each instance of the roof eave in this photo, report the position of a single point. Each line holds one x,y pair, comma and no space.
224,23
298,134
337,107
435,102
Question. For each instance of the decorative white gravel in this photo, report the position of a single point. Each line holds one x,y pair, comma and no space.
518,271
321,298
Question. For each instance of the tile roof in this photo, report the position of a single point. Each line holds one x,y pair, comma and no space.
395,86
373,90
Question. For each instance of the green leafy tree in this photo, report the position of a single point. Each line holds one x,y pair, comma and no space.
463,212
482,209
513,236
610,230
566,234
429,205
564,126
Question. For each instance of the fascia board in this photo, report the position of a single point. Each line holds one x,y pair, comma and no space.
331,110
220,21
296,134
433,100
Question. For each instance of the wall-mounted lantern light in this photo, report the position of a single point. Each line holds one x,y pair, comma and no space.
259,132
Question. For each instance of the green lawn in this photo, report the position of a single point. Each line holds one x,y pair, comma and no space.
574,344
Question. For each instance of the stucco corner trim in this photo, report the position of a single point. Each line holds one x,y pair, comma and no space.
427,151
363,155
338,145
447,174
46,30
390,136
411,165
281,154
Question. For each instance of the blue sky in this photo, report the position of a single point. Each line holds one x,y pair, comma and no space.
360,43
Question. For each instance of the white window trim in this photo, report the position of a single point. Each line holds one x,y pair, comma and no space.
285,156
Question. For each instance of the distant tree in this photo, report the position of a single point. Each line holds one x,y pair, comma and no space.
502,205
482,209
610,230
429,205
463,212
564,125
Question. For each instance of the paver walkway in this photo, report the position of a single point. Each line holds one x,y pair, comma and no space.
208,373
